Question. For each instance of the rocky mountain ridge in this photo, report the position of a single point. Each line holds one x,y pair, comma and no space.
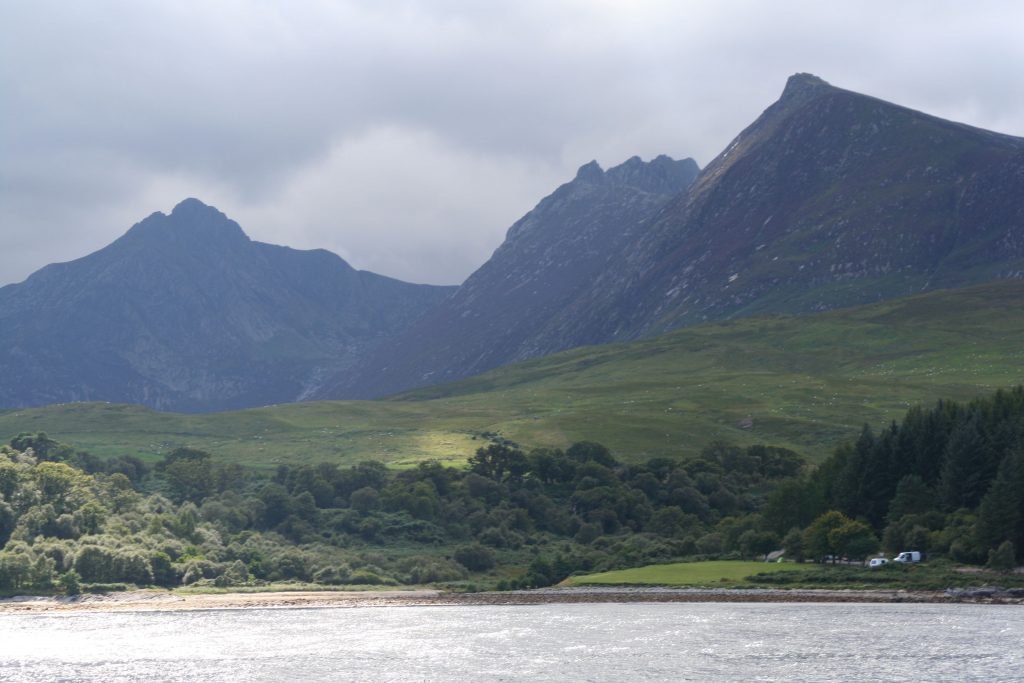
829,199
550,257
184,312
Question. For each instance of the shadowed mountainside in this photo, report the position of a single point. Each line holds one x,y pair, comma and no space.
829,199
806,383
184,312
511,308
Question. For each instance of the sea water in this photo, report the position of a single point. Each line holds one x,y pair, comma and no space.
553,642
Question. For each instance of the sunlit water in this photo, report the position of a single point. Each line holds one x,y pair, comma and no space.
590,642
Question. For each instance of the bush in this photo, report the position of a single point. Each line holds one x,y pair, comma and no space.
710,544
333,576
431,570
70,583
370,578
1003,558
475,557
365,499
163,569
105,587
95,564
588,533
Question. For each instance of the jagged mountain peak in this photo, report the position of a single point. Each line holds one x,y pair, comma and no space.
830,198
590,172
801,84
191,207
185,312
191,222
550,257
662,175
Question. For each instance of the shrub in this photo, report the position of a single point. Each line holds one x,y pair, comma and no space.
70,583
1003,558
333,575
475,557
370,578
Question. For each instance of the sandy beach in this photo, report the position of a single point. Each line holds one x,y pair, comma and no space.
150,600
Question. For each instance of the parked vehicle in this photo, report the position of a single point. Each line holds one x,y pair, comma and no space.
908,557
877,562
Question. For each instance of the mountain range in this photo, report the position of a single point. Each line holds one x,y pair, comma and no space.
514,306
184,312
829,199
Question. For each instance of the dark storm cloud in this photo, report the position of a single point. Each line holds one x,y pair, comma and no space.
407,136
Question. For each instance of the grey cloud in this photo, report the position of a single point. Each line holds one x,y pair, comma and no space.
408,135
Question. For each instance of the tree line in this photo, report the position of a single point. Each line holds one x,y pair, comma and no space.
947,480
508,517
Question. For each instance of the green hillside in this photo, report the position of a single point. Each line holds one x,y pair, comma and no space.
805,383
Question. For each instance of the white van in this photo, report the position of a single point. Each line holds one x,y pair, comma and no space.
908,557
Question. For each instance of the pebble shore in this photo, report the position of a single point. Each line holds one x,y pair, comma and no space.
170,600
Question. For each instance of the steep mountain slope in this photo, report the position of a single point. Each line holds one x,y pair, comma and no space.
185,312
830,198
805,382
504,311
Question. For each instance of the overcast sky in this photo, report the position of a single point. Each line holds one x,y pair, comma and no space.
408,136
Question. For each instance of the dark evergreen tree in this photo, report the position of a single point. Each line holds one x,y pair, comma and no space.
1001,514
912,497
962,482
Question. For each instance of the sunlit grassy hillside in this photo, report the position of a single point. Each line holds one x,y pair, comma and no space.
805,383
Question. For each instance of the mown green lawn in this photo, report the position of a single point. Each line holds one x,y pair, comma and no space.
716,573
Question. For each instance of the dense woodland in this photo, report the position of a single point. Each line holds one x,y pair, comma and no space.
947,481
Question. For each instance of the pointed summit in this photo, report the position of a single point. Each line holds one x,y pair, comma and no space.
803,82
185,313
191,222
802,88
194,214
830,198
590,172
192,206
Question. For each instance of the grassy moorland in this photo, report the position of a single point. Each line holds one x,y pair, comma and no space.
805,383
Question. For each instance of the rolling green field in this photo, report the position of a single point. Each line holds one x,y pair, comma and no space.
713,574
805,383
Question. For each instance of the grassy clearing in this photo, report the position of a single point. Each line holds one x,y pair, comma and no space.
937,575
805,383
712,574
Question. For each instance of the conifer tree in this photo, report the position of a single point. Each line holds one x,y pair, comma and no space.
1001,514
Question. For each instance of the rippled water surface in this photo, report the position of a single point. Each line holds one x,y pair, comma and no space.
591,642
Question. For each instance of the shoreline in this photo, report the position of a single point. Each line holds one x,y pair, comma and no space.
165,601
